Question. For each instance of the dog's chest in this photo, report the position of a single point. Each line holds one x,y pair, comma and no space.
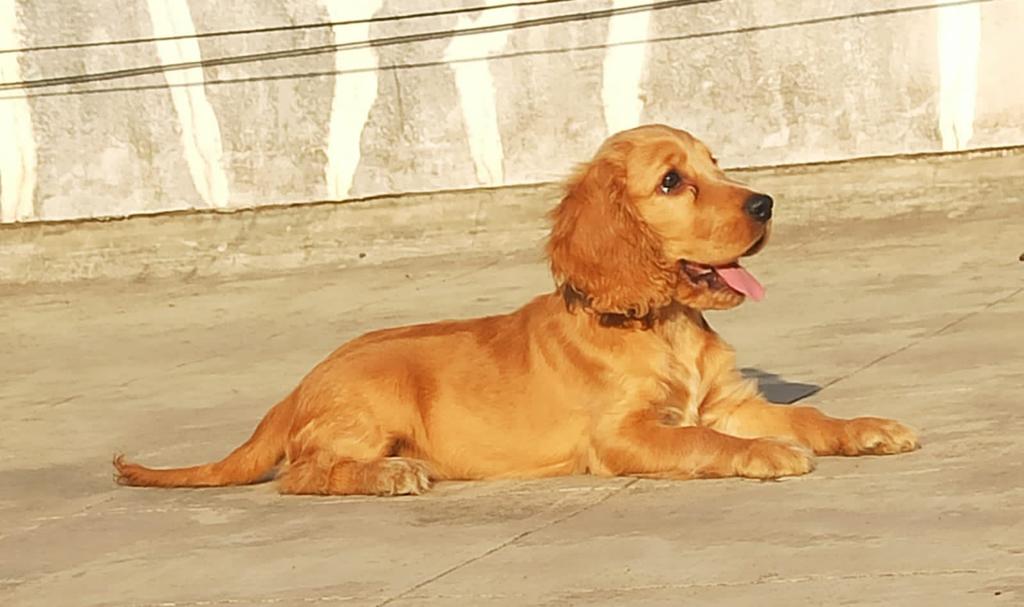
683,379
685,392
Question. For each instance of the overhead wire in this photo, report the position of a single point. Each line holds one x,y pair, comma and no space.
284,28
330,48
513,54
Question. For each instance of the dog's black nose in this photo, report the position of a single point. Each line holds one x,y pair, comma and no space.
759,206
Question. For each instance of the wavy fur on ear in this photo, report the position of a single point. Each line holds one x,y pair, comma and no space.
600,247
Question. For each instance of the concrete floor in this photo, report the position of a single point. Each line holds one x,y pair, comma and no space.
918,317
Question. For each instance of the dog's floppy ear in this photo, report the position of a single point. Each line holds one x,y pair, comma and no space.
603,250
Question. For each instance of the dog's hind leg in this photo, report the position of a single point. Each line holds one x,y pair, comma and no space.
323,473
353,454
355,433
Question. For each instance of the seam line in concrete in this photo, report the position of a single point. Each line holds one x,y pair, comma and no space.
506,543
738,584
984,308
248,601
626,589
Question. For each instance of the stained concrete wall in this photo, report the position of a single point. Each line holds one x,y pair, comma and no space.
764,82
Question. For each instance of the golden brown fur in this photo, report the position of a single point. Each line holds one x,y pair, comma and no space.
614,373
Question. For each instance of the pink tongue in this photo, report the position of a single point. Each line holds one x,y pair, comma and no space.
741,280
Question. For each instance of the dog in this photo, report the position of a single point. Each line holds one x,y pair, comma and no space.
614,373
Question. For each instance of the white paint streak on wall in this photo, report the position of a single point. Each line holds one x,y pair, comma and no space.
477,91
623,68
354,93
17,143
200,131
959,42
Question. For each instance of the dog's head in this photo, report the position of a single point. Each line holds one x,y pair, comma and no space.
652,219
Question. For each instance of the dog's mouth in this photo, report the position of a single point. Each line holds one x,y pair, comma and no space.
730,276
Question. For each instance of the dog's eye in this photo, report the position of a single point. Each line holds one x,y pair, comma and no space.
670,181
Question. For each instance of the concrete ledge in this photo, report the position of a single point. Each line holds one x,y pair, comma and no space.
273,239
381,229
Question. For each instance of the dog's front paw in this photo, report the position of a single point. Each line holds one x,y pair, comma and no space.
768,458
876,436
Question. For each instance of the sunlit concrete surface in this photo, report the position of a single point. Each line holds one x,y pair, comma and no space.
917,315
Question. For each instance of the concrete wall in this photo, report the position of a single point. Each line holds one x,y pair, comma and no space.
765,82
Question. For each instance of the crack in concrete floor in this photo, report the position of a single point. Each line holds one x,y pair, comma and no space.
512,540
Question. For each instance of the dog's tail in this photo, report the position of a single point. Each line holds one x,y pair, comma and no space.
249,463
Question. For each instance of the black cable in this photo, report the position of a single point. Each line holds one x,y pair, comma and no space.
330,48
282,28
514,54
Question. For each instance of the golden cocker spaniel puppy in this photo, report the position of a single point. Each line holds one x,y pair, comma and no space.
616,372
